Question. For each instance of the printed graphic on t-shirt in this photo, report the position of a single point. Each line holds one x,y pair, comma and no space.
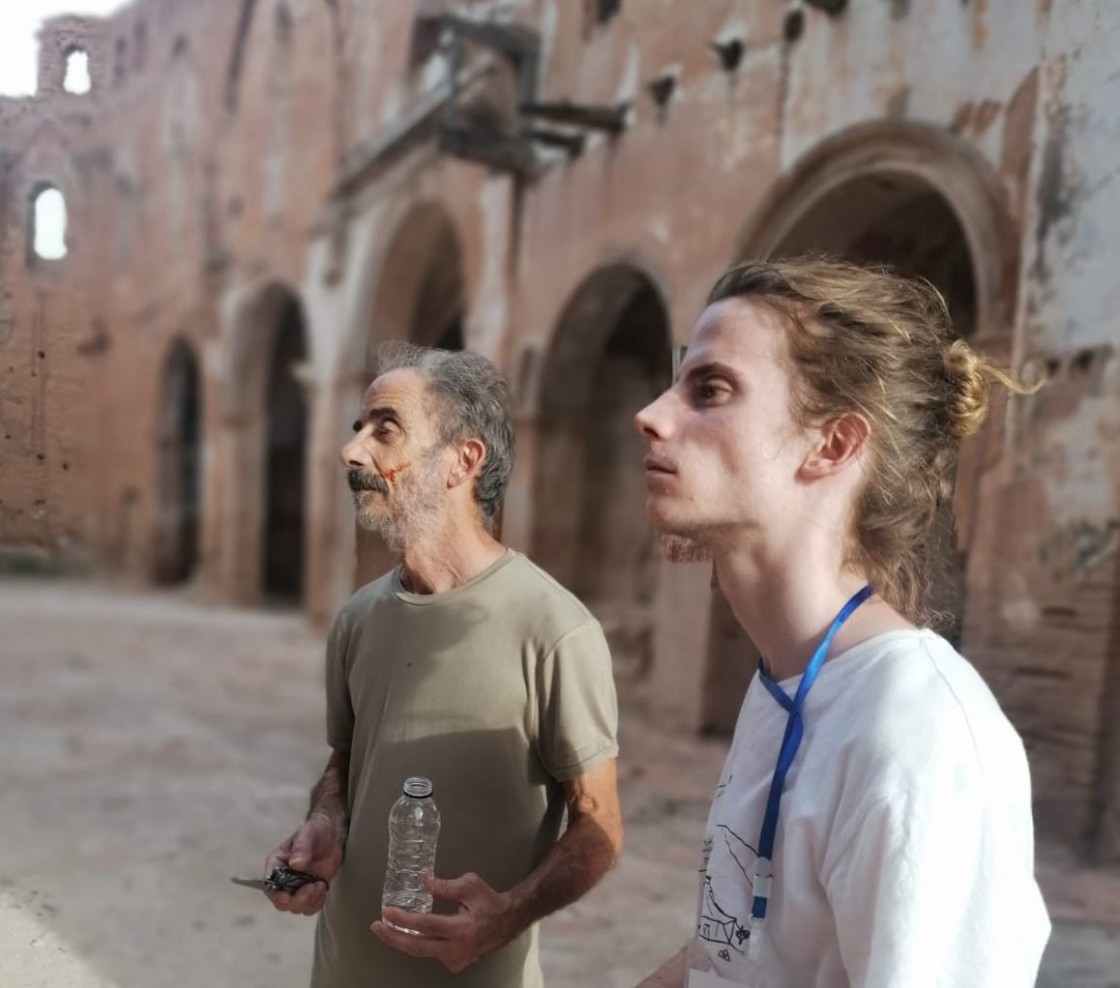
718,924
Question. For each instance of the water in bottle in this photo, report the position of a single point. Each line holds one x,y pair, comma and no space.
413,833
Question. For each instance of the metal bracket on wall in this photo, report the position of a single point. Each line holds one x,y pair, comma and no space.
611,119
471,135
831,7
463,137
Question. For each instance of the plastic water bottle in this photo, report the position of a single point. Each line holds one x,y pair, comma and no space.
413,833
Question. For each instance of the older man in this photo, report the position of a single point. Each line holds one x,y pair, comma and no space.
466,664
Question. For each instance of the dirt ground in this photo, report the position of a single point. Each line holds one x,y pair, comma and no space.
151,748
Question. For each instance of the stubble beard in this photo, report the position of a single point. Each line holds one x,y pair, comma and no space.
680,544
407,509
682,549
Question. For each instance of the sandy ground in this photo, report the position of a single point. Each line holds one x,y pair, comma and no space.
150,748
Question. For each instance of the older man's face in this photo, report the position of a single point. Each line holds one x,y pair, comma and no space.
395,461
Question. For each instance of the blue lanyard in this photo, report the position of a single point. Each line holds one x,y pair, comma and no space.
795,729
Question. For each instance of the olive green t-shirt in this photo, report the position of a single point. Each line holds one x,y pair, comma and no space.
498,691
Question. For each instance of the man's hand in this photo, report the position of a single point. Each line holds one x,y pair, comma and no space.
484,923
316,848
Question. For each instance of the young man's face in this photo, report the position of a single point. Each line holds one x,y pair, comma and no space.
395,460
724,448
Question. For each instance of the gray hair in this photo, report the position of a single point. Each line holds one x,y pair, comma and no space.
473,401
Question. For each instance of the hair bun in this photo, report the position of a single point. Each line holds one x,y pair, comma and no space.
968,396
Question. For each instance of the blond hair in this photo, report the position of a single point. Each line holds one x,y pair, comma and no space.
870,341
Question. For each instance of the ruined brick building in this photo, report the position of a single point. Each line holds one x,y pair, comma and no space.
259,191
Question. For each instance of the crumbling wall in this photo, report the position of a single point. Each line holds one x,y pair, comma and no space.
1050,588
52,334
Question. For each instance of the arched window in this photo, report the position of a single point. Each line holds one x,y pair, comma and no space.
606,9
121,63
77,72
237,57
140,46
48,225
284,25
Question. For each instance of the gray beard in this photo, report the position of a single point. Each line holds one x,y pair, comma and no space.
416,502
387,528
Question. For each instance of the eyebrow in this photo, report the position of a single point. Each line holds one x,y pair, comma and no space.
709,368
379,412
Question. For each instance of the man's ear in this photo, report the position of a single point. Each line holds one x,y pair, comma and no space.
469,457
842,441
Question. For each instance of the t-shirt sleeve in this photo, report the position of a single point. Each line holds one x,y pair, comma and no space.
935,889
340,709
577,718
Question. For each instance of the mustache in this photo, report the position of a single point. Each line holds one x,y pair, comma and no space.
361,481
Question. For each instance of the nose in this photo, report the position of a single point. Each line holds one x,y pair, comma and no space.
354,454
653,421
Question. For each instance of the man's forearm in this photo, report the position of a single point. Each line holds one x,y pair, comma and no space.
582,856
671,974
329,795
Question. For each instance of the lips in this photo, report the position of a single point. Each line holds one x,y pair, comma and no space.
659,465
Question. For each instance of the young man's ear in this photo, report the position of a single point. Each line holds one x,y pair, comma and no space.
469,457
842,442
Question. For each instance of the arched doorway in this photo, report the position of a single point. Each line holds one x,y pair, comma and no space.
286,459
265,412
438,307
179,465
918,200
420,298
899,219
420,293
610,356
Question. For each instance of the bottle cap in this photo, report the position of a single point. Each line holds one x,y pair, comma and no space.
417,787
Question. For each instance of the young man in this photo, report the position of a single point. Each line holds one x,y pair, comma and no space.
872,825
468,665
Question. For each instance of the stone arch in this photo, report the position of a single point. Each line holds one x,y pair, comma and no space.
179,466
47,161
920,199
609,356
420,290
901,159
419,295
266,411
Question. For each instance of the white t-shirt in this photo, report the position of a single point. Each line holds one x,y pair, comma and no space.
904,855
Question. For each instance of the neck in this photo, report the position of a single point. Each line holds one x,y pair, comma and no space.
446,555
787,604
